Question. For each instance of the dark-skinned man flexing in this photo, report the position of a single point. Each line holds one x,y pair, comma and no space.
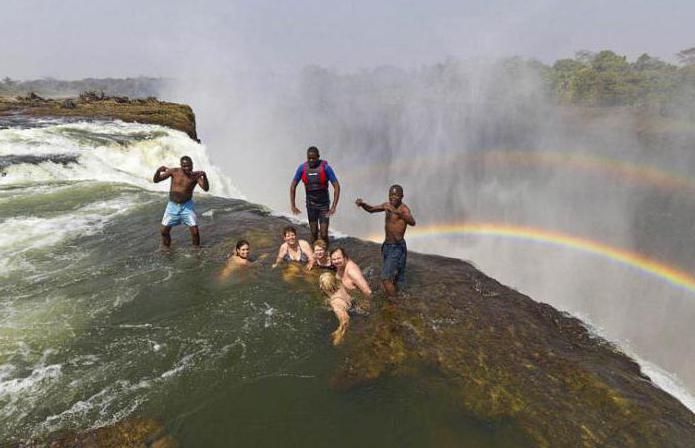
180,209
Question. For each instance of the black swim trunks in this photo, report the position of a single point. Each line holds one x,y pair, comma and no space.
394,258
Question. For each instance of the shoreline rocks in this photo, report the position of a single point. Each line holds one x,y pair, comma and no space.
91,105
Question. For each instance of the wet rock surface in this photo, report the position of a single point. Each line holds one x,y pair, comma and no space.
130,433
501,355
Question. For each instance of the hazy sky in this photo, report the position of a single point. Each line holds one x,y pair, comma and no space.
80,38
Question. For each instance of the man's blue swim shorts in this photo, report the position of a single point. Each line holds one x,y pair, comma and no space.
394,257
176,214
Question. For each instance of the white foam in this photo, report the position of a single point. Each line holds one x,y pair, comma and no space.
23,388
30,233
666,381
105,160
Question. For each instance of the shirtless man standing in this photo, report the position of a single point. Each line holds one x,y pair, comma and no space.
394,250
180,207
349,273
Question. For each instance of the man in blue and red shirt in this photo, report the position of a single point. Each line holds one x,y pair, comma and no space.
316,174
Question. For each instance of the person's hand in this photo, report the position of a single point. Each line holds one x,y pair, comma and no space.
330,212
295,210
161,169
274,266
359,202
198,174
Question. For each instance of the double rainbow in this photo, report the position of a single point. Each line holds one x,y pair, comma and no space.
671,275
612,168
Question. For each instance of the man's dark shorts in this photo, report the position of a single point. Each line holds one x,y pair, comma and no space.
317,214
394,257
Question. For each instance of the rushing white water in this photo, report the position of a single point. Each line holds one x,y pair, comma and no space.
114,151
63,185
45,162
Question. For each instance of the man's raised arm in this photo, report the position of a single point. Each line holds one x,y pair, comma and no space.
161,174
371,209
203,180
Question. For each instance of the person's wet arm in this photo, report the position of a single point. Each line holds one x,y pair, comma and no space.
281,253
404,213
336,197
369,208
361,282
293,194
311,259
203,181
161,174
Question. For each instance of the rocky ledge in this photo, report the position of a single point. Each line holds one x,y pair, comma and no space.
91,105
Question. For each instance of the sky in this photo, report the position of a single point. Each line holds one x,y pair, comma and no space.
71,39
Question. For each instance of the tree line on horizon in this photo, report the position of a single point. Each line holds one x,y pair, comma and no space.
608,79
592,79
600,79
140,87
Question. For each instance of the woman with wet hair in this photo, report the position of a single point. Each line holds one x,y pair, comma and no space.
240,258
339,300
294,249
321,257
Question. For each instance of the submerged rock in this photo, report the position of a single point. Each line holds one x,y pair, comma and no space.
496,354
502,356
129,433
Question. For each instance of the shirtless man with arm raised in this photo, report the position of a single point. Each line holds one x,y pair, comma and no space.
180,208
394,250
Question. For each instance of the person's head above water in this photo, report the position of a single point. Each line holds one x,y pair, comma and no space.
289,234
320,248
186,164
242,249
395,195
339,257
313,156
328,283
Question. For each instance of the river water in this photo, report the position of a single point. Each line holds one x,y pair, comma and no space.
97,325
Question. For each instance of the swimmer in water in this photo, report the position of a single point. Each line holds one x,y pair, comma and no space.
350,275
339,300
240,258
321,257
294,249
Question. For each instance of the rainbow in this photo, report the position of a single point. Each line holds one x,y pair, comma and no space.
675,277
613,168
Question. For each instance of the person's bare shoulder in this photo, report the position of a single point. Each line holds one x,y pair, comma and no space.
352,268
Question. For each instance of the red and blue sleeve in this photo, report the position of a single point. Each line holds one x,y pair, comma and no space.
298,173
330,174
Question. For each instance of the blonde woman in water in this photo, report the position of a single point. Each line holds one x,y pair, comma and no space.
339,300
